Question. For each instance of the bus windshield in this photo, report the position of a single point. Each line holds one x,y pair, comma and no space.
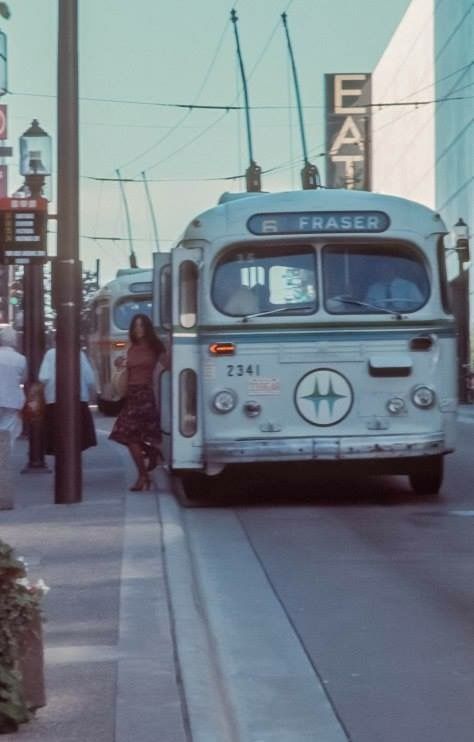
367,279
280,279
126,308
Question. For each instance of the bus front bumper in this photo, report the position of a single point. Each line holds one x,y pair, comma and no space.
330,449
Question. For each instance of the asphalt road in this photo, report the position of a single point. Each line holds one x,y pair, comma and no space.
377,584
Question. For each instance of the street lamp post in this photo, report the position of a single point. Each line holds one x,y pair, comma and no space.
461,232
35,166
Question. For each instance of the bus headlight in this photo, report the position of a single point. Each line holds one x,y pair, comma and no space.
224,401
396,406
423,396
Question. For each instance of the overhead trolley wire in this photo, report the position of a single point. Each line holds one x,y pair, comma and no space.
189,110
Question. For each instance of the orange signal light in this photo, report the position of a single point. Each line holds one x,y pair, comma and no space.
119,344
222,349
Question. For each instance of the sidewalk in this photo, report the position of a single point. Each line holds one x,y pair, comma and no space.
466,413
109,652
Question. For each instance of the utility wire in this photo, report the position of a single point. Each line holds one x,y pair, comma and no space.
227,109
230,107
188,112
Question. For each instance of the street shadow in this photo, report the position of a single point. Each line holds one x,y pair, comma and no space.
280,485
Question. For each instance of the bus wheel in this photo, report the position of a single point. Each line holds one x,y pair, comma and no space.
192,488
427,475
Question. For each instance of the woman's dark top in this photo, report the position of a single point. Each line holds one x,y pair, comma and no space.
141,361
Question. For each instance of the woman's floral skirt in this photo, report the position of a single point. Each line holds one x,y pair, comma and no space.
138,420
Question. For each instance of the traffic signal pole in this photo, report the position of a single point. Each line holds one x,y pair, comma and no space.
68,469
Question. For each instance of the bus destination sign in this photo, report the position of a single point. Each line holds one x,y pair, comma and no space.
318,222
23,230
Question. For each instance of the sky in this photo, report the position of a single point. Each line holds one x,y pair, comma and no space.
137,61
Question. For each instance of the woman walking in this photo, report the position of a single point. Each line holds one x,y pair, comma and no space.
137,425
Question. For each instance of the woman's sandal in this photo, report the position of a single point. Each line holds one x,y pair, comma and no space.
142,484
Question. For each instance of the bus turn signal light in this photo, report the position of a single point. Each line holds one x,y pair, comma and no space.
222,349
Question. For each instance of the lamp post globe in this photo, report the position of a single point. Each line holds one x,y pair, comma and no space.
35,157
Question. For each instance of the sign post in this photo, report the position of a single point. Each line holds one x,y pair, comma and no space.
23,230
23,242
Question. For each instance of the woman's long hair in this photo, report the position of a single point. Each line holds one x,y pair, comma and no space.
150,337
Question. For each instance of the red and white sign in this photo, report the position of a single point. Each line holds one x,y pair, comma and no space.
22,204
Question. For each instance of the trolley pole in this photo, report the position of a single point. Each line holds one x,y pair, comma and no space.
68,468
253,172
309,175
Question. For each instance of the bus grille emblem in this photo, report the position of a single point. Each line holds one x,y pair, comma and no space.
323,397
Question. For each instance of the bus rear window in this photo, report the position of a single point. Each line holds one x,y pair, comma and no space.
126,309
278,279
361,279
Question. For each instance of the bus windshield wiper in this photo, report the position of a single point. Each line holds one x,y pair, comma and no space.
367,305
277,310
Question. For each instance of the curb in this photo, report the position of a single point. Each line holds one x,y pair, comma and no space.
245,673
207,704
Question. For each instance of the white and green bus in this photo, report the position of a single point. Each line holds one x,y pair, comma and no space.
308,326
109,313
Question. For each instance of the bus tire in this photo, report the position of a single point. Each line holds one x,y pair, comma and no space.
192,488
426,477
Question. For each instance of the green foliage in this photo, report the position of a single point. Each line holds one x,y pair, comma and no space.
4,10
19,605
13,710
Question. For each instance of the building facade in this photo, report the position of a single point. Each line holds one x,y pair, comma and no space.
423,127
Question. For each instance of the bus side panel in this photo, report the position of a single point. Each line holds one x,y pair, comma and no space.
186,412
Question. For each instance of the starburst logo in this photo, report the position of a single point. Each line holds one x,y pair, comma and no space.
323,397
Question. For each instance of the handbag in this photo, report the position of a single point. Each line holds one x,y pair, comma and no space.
33,409
120,382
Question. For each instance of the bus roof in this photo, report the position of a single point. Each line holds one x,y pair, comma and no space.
125,278
231,216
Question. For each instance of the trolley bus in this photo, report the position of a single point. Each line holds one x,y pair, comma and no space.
287,346
110,312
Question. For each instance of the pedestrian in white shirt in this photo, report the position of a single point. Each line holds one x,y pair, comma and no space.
47,375
12,378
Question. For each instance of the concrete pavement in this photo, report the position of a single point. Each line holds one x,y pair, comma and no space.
110,664
129,656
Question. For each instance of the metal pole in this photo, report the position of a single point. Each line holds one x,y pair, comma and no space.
464,339
234,19
152,211
68,471
34,346
309,173
132,256
297,88
253,171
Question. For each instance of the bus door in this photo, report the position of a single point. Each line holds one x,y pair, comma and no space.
186,415
161,318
